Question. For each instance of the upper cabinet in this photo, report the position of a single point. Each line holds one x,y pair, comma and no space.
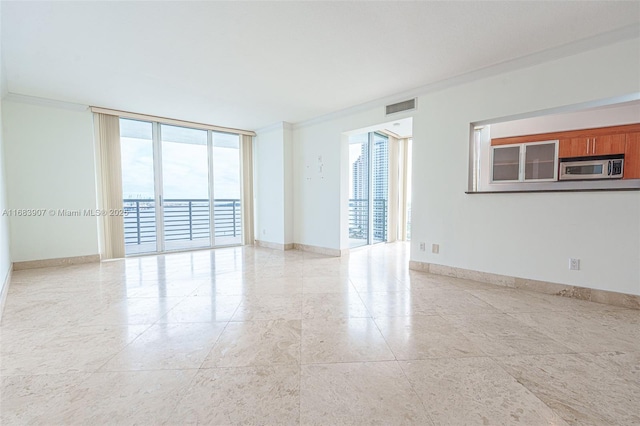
525,162
632,156
592,145
615,140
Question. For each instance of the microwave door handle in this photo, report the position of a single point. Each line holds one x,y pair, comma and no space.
609,167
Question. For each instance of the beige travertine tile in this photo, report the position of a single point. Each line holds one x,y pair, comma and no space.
48,263
500,334
623,365
342,340
168,346
516,301
450,301
247,395
216,308
421,337
269,307
377,282
567,304
129,397
26,351
255,343
617,299
64,327
326,284
161,289
35,399
580,387
459,391
358,394
422,281
333,305
397,304
78,310
588,331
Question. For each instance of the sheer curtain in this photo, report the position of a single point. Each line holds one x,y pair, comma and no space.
107,138
246,151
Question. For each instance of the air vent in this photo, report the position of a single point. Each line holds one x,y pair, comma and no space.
401,106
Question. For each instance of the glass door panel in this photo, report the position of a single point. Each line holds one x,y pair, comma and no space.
185,186
359,190
380,186
506,164
409,183
227,189
138,186
540,161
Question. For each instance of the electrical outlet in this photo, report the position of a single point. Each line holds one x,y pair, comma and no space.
435,248
422,247
574,264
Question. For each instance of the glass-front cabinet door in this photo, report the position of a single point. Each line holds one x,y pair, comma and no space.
506,163
526,162
541,161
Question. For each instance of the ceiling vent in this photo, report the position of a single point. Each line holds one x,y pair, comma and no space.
401,106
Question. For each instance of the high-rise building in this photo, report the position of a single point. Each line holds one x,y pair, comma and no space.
361,174
376,151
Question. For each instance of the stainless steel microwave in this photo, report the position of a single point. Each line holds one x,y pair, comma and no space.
609,167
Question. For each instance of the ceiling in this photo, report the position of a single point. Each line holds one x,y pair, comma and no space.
251,64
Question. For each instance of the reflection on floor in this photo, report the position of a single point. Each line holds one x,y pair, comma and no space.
252,335
181,244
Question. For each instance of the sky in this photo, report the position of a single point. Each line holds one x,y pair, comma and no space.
184,162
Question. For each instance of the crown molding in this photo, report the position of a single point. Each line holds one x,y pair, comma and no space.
280,125
628,32
34,100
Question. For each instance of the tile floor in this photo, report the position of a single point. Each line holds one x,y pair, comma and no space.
257,336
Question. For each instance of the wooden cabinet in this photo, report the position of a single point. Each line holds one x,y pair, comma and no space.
613,140
592,145
573,147
632,156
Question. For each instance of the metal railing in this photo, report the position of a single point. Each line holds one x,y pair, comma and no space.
184,219
359,219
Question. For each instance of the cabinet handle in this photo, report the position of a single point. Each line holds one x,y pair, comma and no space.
594,145
588,146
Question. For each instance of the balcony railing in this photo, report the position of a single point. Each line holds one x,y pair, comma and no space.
359,219
184,219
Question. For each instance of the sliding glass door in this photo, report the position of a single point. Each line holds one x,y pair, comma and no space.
369,188
185,188
181,186
226,187
138,186
359,190
380,185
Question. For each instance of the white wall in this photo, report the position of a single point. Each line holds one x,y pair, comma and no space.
49,165
273,163
288,182
5,254
525,235
627,113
